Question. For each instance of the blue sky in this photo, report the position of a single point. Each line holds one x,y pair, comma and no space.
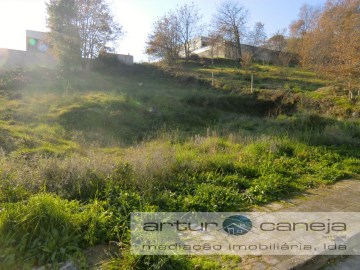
137,17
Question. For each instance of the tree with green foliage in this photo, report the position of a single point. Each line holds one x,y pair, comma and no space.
64,33
79,29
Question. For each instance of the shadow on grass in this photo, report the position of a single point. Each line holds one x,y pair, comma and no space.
167,100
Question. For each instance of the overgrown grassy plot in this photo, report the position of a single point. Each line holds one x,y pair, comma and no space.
228,76
203,174
79,154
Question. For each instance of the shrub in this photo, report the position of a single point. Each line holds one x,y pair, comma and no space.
71,177
269,187
194,57
47,229
132,262
310,122
13,79
41,231
209,197
152,165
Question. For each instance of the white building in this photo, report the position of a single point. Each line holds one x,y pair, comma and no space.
39,53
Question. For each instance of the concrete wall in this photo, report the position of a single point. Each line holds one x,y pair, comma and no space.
25,59
125,59
37,41
10,59
38,54
226,50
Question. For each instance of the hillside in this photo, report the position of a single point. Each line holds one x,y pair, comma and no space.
79,153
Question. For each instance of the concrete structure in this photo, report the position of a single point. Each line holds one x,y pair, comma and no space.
125,59
202,47
37,41
11,59
39,54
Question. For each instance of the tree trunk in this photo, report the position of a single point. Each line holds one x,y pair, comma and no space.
238,45
187,51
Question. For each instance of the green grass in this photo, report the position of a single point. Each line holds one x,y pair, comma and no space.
313,93
78,154
48,229
201,174
332,101
230,77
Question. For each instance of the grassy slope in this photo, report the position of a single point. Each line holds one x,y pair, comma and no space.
139,139
229,76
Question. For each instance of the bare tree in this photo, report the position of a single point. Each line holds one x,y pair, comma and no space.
175,30
188,17
97,27
277,42
307,21
215,41
257,37
230,20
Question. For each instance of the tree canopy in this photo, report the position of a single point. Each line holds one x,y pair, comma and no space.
257,37
230,20
332,47
174,32
164,41
79,29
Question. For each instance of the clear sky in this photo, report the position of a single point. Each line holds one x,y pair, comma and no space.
137,17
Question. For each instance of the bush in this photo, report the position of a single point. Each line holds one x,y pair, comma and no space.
310,122
13,79
269,187
201,174
194,57
47,229
71,177
209,197
43,230
132,262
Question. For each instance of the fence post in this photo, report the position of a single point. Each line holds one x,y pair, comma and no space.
252,83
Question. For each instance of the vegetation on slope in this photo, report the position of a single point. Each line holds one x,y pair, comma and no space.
78,154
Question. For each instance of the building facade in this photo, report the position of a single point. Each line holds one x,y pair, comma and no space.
39,53
205,47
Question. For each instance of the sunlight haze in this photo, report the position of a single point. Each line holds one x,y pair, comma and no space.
137,17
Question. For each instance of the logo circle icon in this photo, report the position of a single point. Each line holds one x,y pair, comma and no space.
237,225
